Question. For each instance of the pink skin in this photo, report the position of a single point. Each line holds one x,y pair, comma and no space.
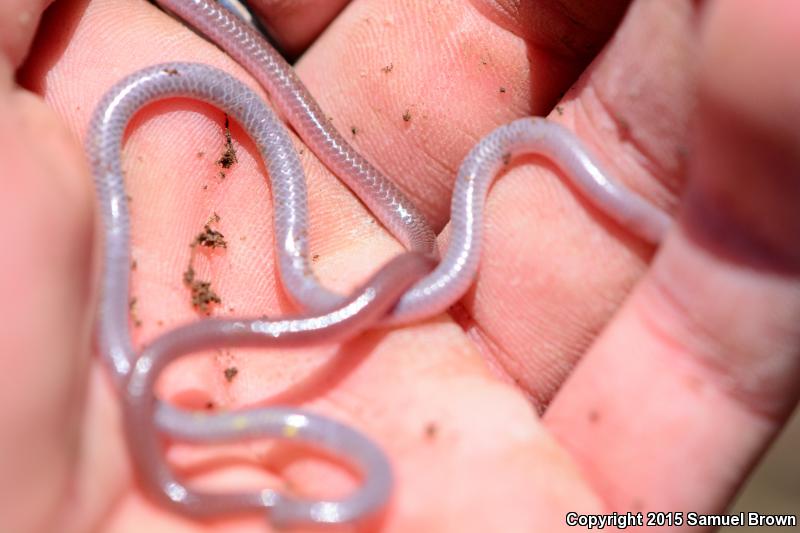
537,306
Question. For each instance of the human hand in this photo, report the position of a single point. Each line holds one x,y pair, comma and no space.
696,366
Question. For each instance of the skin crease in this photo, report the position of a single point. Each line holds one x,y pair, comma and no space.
393,386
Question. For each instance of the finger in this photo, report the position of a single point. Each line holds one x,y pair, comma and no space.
45,213
702,365
295,24
553,269
414,85
19,20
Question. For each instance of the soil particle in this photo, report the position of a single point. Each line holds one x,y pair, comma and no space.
228,157
230,373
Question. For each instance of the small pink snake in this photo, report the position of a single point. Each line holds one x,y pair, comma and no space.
405,290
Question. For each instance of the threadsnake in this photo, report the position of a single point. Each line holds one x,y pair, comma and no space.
408,288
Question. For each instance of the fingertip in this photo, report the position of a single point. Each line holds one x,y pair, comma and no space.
748,57
295,24
18,22
746,162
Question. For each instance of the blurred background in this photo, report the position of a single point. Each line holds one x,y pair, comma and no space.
774,487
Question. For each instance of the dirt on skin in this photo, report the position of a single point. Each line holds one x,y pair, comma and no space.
203,296
228,157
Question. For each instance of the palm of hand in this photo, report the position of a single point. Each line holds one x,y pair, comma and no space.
450,399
